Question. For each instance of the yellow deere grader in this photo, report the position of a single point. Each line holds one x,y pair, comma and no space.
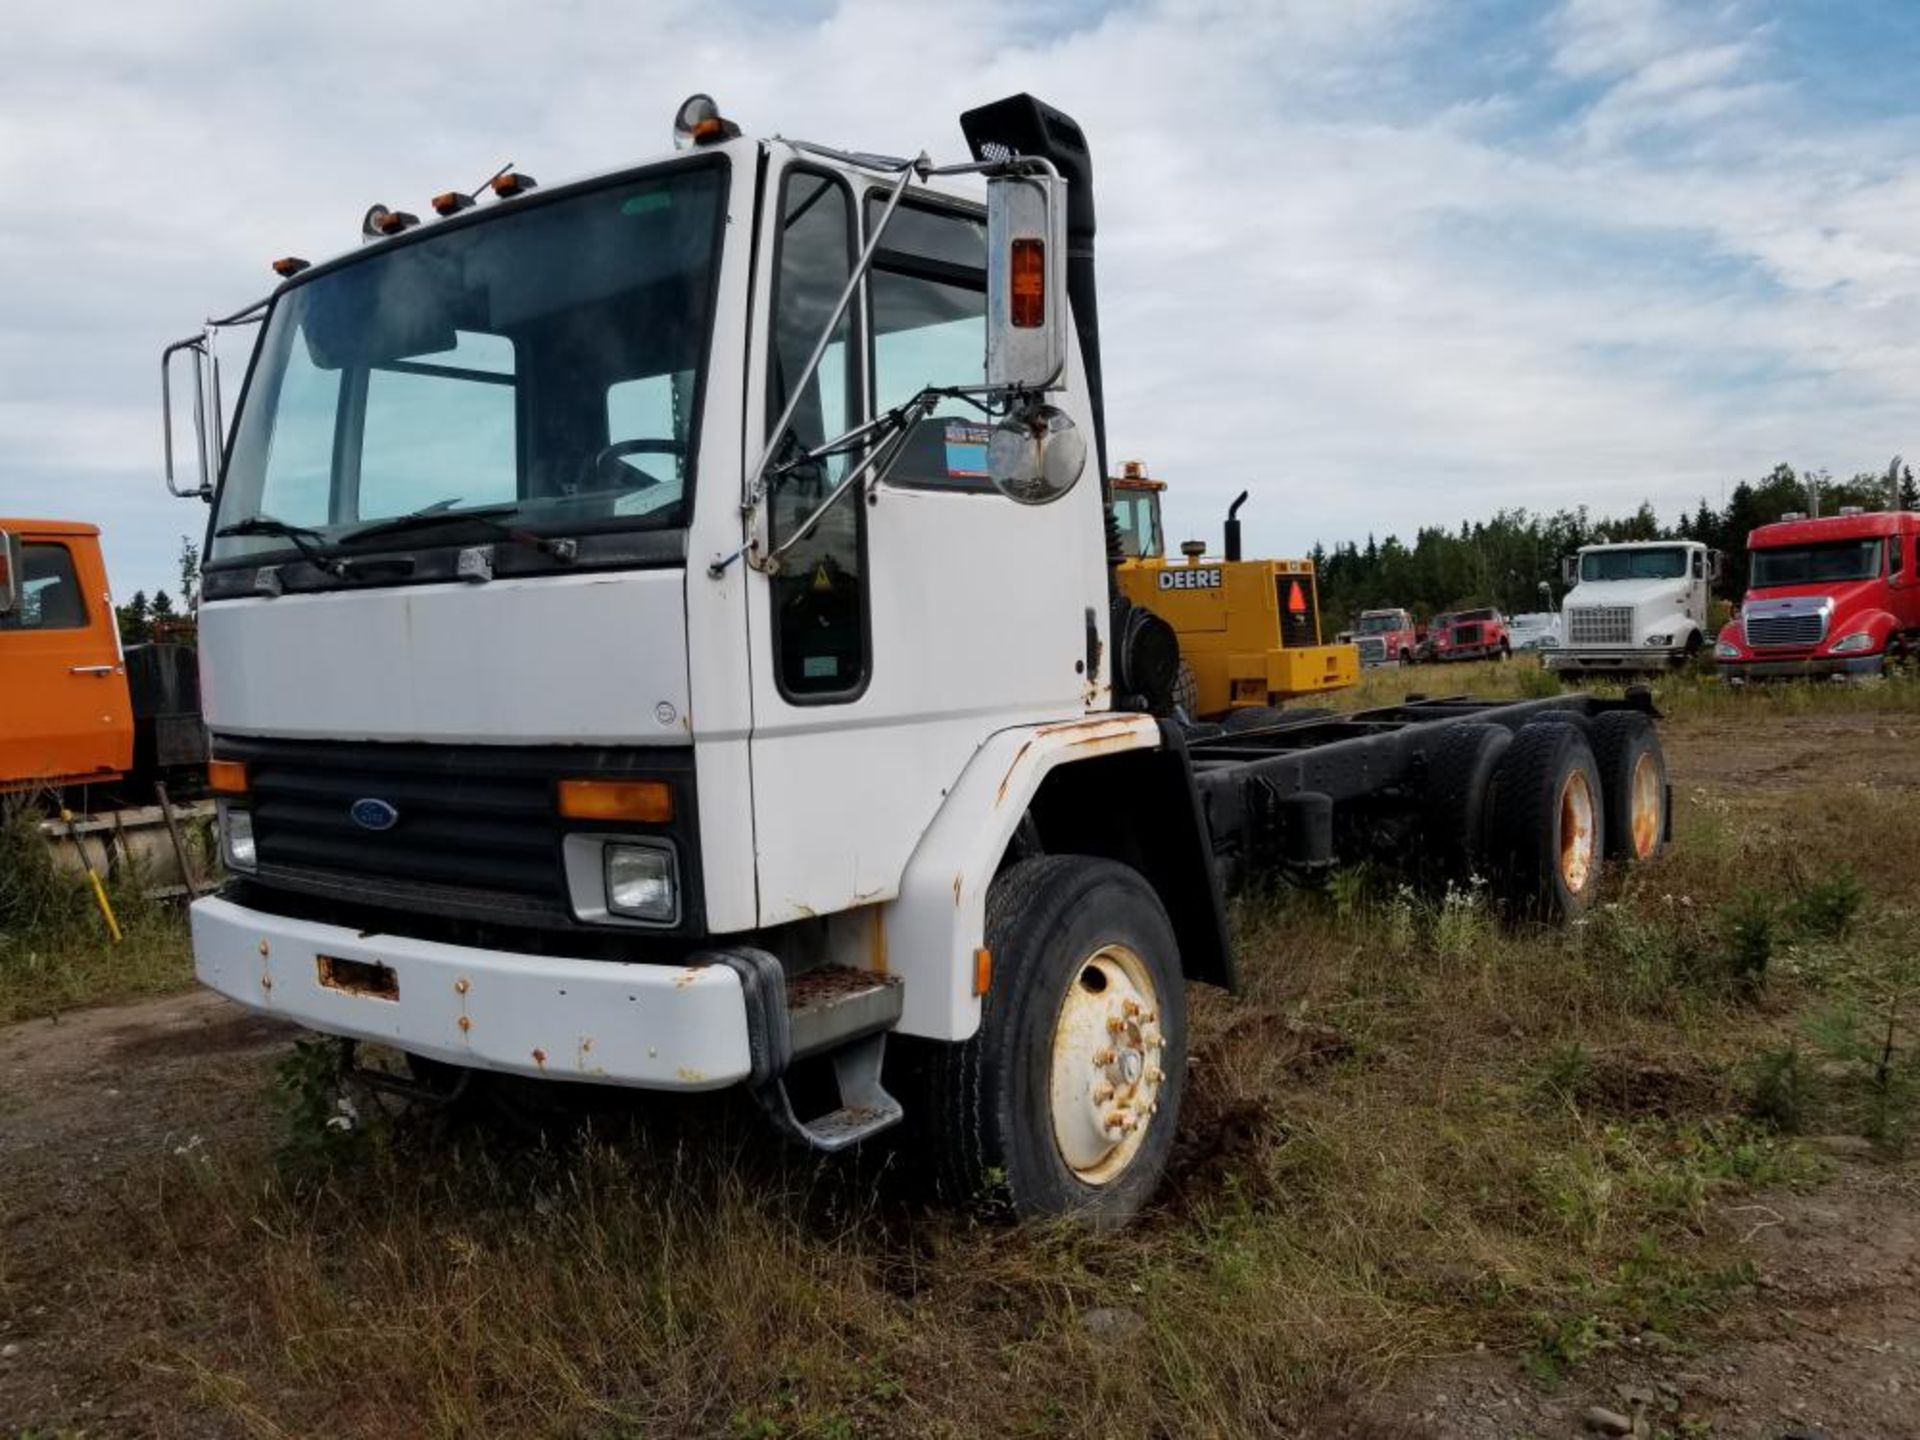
1249,629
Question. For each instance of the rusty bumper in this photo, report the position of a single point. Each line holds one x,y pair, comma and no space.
665,1027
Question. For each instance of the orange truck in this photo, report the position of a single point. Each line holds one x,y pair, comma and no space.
66,711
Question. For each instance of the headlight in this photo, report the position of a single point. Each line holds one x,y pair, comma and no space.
236,838
1725,650
640,883
1852,644
1662,639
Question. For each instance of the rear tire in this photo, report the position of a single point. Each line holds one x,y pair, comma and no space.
1546,823
1459,773
1085,1022
1633,778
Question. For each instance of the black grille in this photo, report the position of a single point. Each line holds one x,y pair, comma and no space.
1466,635
476,834
1299,611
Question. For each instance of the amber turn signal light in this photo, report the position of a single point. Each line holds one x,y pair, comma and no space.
982,970
1029,297
227,777
648,801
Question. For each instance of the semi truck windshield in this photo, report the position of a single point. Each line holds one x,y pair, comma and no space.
1814,564
1661,564
541,365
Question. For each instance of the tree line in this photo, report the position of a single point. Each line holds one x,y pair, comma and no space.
1504,561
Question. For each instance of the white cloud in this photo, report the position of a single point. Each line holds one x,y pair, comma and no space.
1632,261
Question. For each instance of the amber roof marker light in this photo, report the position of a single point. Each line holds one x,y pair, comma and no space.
287,266
699,122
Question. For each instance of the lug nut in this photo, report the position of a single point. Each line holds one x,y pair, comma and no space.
1102,1093
1103,1058
1130,1005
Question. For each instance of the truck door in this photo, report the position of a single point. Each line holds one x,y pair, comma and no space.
67,715
912,622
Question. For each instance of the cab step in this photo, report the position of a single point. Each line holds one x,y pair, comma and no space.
831,1012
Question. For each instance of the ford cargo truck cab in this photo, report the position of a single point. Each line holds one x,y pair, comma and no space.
655,633
1634,608
1838,595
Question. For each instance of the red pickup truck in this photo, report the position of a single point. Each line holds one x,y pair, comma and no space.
1469,635
1839,595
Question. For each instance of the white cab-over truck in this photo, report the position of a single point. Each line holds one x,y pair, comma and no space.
653,635
1634,608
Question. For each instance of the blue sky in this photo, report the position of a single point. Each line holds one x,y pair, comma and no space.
1383,262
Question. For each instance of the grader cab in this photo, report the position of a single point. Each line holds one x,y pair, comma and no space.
1249,629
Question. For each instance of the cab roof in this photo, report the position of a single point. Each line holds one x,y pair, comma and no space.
1834,527
70,528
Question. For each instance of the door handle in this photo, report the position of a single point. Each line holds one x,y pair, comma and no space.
92,669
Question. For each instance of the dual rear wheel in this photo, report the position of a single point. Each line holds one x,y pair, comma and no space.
1537,810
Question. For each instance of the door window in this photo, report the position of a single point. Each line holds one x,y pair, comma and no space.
50,597
928,296
819,593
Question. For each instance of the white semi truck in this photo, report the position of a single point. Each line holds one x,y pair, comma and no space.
655,632
1634,608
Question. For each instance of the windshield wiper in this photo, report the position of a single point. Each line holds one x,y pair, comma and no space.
303,538
441,512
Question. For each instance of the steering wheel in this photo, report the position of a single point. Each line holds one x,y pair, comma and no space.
605,472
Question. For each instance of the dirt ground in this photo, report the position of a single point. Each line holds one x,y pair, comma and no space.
1829,1344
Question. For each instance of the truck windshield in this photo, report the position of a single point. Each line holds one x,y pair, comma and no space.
1381,623
1666,563
1815,564
541,365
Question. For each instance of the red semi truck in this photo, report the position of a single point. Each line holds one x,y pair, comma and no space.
1837,595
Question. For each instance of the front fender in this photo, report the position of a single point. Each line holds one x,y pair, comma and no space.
938,919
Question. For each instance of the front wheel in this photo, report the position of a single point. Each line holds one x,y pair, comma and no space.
1066,1099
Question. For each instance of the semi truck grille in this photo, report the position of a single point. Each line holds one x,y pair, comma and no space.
1373,650
1466,635
1786,630
474,830
1299,612
1600,625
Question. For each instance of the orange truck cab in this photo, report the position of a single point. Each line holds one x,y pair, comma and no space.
66,713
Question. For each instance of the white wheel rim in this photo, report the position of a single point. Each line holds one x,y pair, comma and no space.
1576,832
1106,1072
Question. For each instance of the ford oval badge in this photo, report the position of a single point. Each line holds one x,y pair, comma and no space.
372,814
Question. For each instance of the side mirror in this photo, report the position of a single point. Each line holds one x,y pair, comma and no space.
206,413
1715,560
1569,570
12,580
1026,282
1036,454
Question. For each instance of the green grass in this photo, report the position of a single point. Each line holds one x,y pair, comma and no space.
56,952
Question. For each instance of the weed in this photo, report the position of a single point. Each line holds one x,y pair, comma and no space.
1747,926
1780,1089
1826,909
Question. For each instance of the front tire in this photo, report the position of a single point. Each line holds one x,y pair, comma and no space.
1066,1099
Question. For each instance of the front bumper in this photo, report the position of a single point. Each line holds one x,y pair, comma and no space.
664,1027
1813,668
1466,652
1623,661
